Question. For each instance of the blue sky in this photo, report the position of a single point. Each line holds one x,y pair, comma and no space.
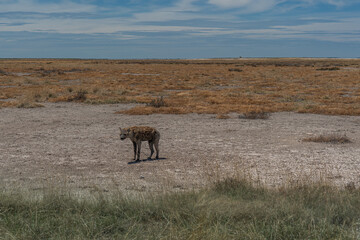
179,28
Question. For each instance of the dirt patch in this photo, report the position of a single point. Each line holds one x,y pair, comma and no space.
78,145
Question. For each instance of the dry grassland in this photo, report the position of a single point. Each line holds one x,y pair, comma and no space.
218,86
212,181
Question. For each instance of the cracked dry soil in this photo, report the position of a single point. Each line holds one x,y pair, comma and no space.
78,146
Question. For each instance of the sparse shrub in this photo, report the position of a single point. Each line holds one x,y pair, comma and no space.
255,115
79,96
157,103
328,138
122,92
44,72
235,70
29,105
293,98
328,69
350,186
222,116
37,96
109,101
77,70
70,89
144,110
95,90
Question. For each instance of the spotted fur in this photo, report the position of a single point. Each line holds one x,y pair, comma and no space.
137,134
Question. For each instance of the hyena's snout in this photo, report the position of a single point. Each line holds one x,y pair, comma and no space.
122,137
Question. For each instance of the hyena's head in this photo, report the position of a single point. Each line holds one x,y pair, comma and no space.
124,133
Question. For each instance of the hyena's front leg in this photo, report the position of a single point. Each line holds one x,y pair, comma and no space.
151,146
139,150
134,143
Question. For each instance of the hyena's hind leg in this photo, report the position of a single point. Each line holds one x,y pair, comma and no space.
151,146
156,143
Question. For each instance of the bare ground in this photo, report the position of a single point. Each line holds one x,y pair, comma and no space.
78,146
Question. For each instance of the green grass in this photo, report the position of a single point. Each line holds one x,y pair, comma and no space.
231,209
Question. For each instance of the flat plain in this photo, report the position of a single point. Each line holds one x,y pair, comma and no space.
59,122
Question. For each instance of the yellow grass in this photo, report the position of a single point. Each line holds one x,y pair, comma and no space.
219,86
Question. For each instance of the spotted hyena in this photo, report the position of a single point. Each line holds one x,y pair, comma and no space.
139,134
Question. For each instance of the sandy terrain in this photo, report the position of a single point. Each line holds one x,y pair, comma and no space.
78,145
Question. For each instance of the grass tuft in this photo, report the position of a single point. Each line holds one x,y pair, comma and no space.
328,138
29,105
255,115
328,69
222,116
235,70
2,72
79,96
157,103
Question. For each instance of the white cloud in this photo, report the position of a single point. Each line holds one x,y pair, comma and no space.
341,30
337,3
182,10
137,22
349,26
65,6
230,3
185,5
252,6
344,30
249,6
162,16
89,26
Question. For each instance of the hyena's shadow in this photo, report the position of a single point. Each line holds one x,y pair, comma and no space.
147,160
